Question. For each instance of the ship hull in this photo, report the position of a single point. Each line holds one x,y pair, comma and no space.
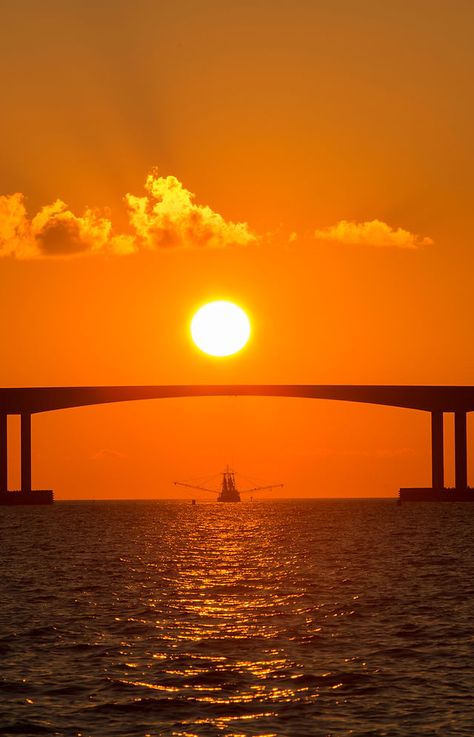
26,498
229,496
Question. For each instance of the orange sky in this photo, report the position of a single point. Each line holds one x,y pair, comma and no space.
291,117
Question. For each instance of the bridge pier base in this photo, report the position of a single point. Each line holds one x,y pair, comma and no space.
437,492
26,495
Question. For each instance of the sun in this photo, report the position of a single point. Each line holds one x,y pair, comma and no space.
220,328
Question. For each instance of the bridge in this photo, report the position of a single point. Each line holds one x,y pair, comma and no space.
434,399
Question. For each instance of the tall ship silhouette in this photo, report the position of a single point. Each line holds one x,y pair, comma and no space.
228,491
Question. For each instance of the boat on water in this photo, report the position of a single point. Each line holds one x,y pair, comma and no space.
228,491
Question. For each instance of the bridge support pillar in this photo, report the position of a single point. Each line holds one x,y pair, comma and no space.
460,450
26,452
3,453
437,450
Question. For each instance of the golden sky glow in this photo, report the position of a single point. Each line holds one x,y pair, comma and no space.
310,161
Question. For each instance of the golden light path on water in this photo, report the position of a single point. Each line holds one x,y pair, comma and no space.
229,585
271,619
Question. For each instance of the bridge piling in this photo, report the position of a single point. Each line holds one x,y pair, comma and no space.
437,450
460,450
26,452
3,453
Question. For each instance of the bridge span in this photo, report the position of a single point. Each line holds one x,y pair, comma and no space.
437,400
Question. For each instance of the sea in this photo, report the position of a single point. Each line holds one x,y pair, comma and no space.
298,618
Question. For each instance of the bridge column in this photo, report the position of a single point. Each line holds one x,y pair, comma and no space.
3,454
25,451
437,450
460,450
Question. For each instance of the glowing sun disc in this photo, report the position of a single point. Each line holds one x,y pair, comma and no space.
220,328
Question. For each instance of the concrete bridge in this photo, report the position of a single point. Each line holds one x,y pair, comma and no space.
434,399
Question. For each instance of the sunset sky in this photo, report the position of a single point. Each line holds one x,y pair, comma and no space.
311,161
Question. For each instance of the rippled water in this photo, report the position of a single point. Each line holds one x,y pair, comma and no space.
299,618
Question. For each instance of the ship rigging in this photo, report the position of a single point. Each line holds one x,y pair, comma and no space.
228,491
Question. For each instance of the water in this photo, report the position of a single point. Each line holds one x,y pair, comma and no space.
298,618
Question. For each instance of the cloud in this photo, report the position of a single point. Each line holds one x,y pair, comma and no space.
165,217
325,452
53,231
105,454
168,217
374,233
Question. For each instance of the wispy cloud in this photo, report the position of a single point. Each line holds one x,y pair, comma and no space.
324,452
374,233
105,454
166,216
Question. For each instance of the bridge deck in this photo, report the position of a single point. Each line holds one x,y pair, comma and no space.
427,398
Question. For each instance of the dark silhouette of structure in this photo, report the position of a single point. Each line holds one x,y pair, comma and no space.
434,399
228,491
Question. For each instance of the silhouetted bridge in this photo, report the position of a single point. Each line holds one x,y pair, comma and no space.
434,399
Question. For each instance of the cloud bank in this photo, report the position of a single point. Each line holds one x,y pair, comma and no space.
373,233
166,216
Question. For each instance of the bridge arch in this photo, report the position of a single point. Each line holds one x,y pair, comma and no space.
437,400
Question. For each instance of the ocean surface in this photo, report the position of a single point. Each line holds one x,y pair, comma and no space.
298,618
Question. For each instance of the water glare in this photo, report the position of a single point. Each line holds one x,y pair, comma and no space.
267,619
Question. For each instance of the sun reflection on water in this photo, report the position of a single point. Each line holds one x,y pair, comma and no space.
289,618
231,588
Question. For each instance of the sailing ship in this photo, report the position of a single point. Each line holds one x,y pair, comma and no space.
228,491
